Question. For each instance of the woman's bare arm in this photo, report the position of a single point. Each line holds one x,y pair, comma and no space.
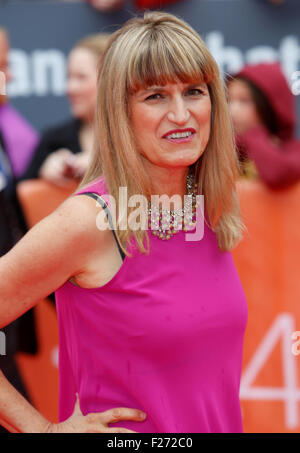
59,247
16,414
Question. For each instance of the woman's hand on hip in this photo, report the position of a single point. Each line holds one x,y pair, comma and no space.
96,422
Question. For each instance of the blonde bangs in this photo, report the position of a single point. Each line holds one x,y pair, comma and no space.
160,58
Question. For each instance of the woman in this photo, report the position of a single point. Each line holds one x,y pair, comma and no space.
65,151
265,124
146,323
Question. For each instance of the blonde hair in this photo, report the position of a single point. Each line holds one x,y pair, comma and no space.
156,49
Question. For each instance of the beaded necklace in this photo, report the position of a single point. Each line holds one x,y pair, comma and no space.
164,223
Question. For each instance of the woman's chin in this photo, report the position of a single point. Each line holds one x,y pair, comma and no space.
77,112
174,160
183,161
178,164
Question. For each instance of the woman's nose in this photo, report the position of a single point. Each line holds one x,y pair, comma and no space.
178,111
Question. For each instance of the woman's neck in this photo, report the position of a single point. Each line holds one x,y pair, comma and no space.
168,181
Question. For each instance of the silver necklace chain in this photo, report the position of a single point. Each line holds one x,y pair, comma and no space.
164,223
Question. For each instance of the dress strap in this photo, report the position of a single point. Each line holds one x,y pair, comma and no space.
109,217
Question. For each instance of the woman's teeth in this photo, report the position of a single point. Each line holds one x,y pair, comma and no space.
179,135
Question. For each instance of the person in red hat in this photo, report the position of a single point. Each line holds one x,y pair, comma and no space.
264,118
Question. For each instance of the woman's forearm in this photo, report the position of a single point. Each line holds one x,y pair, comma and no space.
16,413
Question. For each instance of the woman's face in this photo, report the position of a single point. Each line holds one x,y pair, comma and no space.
4,51
82,83
4,65
171,123
242,107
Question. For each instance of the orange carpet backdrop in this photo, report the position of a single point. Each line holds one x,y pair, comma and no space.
268,264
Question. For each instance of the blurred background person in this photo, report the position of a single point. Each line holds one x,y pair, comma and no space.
19,139
264,118
17,143
65,151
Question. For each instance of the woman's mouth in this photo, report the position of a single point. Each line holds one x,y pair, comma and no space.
179,136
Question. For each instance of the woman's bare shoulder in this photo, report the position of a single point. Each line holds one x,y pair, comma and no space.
78,220
79,212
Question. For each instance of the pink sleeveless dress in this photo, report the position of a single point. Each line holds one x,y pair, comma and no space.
164,335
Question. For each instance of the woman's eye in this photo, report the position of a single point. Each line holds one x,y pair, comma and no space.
154,96
195,92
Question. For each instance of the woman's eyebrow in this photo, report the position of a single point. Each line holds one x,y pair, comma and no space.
151,88
156,88
200,84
